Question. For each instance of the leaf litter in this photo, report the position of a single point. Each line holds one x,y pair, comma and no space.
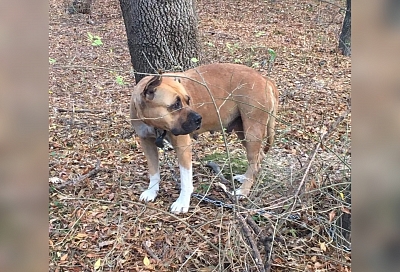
96,222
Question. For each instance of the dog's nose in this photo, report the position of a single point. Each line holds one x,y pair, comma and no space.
197,119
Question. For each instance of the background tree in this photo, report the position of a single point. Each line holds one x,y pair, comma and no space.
345,35
162,34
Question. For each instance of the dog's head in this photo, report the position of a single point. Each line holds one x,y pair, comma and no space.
162,102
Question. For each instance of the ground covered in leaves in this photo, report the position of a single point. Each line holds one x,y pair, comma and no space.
97,169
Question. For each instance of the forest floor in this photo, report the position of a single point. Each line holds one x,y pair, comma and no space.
97,170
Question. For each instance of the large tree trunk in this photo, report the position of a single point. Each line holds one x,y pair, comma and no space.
345,35
162,34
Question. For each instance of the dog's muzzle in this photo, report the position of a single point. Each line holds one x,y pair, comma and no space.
192,123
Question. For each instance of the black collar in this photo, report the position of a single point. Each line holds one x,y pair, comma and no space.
160,137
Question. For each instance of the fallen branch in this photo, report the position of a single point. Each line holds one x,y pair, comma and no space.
85,67
253,244
78,111
81,178
266,241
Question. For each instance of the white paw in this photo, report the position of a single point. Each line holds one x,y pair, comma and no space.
181,205
241,193
148,195
240,178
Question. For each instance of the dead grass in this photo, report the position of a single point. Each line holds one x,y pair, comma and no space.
99,224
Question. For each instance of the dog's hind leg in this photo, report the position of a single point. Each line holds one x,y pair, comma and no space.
151,153
183,148
251,136
254,157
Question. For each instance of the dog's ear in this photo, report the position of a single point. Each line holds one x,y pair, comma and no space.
150,88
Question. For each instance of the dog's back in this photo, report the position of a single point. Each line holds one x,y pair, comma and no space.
241,97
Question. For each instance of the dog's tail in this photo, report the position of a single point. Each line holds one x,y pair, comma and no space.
273,92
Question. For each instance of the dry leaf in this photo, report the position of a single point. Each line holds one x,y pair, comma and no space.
64,257
97,264
332,215
146,261
322,246
318,265
345,210
313,184
81,235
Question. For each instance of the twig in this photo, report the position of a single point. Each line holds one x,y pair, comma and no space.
250,221
85,67
247,233
150,252
191,255
78,111
263,238
81,178
308,167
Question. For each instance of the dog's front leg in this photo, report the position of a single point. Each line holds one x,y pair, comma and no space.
151,153
183,148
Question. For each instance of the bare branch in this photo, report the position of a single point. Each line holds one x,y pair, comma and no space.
81,178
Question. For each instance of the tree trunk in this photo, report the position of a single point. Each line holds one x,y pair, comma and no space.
162,34
345,35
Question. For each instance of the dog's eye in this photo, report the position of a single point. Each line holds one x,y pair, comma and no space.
177,105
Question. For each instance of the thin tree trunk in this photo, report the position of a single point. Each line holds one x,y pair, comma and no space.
345,35
162,34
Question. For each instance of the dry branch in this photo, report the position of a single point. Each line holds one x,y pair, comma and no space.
86,67
81,178
253,244
78,111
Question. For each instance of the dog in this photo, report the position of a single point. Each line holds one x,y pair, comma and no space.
211,97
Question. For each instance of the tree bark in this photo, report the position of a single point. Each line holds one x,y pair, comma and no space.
345,35
162,34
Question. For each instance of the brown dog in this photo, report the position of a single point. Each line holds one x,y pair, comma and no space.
207,98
